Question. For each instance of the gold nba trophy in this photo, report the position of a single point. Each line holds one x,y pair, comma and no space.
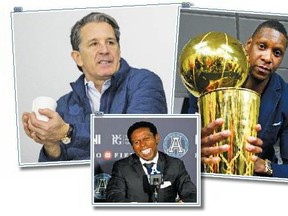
213,66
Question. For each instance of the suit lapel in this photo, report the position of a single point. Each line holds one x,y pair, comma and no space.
161,162
271,97
137,166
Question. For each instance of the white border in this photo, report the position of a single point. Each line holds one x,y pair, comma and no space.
198,162
22,137
251,13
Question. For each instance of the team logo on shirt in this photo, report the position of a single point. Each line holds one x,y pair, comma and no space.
176,144
100,184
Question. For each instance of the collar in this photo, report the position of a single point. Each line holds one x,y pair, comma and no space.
79,85
90,85
155,159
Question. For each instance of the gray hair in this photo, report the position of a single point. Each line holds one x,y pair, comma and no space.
92,17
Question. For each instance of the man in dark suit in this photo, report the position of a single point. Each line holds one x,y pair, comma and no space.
168,181
265,50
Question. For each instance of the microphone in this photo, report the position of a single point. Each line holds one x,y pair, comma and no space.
156,179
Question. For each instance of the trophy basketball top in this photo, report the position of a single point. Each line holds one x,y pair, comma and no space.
213,60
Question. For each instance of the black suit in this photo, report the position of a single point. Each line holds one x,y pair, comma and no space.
129,182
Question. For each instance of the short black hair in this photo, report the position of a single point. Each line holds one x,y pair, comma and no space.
273,24
141,124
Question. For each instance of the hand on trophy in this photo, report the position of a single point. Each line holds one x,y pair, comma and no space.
209,139
254,144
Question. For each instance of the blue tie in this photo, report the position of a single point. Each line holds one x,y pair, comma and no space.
149,166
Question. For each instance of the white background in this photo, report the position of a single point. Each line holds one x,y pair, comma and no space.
66,190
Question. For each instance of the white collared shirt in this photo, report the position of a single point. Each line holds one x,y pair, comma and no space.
94,95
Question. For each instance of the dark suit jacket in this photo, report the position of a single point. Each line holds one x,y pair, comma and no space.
129,182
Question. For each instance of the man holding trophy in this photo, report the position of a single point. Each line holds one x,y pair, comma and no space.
229,142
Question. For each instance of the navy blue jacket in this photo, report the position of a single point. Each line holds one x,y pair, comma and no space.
273,118
132,91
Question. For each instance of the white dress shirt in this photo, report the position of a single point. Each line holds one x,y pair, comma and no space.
94,95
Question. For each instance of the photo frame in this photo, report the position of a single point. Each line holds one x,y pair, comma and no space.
43,65
179,137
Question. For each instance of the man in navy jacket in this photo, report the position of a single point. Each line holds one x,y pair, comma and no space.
266,49
108,84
